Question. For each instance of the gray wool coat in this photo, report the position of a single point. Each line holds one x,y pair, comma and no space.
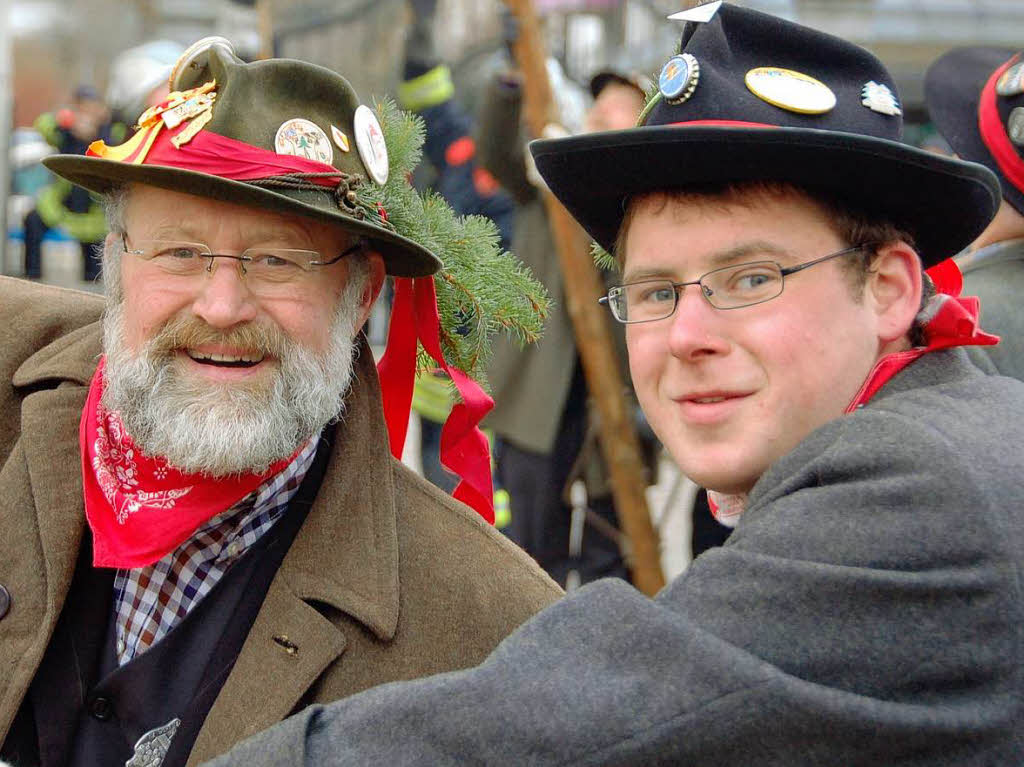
388,577
868,610
995,274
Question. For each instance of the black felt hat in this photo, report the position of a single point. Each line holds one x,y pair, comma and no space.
281,108
954,86
755,97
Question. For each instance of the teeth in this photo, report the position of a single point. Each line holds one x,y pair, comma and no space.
224,357
708,400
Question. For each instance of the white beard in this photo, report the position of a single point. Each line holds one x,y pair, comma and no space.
223,430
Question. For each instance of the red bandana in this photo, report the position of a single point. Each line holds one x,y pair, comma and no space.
140,508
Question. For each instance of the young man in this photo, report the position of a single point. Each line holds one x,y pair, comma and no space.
867,609
976,99
246,545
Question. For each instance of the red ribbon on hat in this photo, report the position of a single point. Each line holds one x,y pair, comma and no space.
464,448
211,153
993,132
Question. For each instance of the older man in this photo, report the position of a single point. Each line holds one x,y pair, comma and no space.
203,527
867,608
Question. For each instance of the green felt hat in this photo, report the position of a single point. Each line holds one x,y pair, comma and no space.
304,117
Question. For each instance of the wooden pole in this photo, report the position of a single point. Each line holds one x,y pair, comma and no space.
583,287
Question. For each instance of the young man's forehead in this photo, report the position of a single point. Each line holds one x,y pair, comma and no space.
725,199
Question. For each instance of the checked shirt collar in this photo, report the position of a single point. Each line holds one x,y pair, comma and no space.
150,601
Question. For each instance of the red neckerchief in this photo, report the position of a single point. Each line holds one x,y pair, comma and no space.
953,321
140,508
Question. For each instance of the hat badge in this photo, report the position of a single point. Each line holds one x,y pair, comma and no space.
679,77
301,138
790,90
1011,82
878,98
370,142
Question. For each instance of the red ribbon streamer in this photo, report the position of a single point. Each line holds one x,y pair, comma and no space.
464,448
993,133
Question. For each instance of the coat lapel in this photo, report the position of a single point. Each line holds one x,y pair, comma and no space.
345,556
54,383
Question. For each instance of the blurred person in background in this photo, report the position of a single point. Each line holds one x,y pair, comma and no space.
975,97
546,433
61,205
427,89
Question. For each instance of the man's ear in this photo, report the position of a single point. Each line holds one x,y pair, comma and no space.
374,283
894,287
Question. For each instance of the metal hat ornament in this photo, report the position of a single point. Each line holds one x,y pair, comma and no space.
774,101
277,135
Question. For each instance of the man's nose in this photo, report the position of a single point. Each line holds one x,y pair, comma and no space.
696,325
223,298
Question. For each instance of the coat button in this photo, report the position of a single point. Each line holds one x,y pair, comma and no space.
5,601
101,708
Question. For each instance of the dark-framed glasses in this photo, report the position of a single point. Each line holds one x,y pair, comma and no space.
730,287
262,267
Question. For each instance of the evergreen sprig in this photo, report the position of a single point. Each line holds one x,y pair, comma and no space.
481,289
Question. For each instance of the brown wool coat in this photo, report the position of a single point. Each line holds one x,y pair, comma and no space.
388,578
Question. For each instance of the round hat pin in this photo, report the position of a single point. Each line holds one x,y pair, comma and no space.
1011,82
302,138
1015,126
678,78
370,143
789,90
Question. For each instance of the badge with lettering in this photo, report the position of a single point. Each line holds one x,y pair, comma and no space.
302,138
1011,82
340,139
1015,126
370,143
878,98
789,90
678,78
152,747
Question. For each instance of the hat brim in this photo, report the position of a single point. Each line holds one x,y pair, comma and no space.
944,203
402,257
952,88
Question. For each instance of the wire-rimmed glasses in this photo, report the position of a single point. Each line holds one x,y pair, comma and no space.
730,287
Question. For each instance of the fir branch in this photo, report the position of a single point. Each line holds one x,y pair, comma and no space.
481,290
603,258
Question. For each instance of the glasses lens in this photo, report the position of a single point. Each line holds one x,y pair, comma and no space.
280,265
743,284
645,301
173,257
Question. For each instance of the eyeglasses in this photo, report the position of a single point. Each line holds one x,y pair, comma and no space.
264,268
731,287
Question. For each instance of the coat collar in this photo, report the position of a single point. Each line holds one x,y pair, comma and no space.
353,519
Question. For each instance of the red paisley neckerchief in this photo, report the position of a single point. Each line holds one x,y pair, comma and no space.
950,320
139,508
